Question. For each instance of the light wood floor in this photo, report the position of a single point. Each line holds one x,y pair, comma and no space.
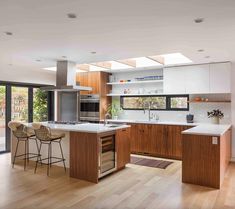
134,187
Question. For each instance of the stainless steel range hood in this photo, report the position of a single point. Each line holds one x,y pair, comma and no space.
66,78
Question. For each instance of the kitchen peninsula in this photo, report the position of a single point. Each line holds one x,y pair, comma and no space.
91,150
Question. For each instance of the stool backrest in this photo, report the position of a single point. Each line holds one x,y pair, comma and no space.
41,132
18,129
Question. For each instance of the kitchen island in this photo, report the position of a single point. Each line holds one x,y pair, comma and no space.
206,153
91,150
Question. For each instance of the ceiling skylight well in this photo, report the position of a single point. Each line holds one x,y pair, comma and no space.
50,68
119,66
96,68
145,62
175,58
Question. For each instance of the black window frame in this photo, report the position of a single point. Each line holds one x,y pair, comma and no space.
8,94
168,102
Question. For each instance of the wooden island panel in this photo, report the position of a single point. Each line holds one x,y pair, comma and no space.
84,156
205,163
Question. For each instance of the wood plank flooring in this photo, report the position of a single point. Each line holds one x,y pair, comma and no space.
136,187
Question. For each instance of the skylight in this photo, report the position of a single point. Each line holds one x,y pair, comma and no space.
145,62
119,66
96,68
50,68
175,58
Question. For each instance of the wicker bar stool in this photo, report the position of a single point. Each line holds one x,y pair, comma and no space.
43,134
23,134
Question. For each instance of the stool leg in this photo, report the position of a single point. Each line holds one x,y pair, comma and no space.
25,152
35,169
50,154
62,155
13,163
36,141
49,159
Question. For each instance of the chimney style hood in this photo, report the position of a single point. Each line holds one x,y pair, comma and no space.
66,78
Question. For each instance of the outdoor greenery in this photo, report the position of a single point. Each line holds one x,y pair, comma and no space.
40,105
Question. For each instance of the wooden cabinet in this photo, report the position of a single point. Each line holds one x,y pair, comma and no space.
157,140
96,80
123,150
220,78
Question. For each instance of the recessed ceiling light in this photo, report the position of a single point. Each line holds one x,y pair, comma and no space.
199,20
71,15
8,33
93,52
200,50
175,58
207,57
145,62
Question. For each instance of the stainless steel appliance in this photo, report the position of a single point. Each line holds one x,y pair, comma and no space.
107,155
66,78
67,106
90,108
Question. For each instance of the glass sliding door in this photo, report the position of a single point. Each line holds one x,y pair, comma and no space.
2,118
19,103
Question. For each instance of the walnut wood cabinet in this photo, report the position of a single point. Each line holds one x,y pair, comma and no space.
157,140
98,82
123,150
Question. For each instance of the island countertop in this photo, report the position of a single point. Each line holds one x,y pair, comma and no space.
208,129
84,127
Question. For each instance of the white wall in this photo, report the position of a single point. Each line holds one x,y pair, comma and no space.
27,76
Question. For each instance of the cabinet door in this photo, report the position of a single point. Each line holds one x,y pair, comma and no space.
139,138
174,80
94,82
157,143
82,78
197,79
220,78
174,132
135,139
123,147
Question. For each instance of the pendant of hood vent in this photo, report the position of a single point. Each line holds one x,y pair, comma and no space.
66,78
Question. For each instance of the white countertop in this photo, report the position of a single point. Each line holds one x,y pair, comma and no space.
208,129
198,129
85,127
153,122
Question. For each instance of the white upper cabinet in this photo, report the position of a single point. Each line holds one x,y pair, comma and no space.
174,80
197,79
220,78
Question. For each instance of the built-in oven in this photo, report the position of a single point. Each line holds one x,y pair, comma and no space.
90,108
107,155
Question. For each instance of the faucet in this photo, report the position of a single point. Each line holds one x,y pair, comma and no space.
149,110
106,116
150,116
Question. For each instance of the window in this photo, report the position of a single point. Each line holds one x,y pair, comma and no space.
162,102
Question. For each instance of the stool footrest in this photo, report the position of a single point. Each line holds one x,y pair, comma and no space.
58,160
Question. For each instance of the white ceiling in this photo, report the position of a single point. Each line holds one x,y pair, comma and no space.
115,29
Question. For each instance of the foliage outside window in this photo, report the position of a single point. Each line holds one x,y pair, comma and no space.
39,105
163,102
